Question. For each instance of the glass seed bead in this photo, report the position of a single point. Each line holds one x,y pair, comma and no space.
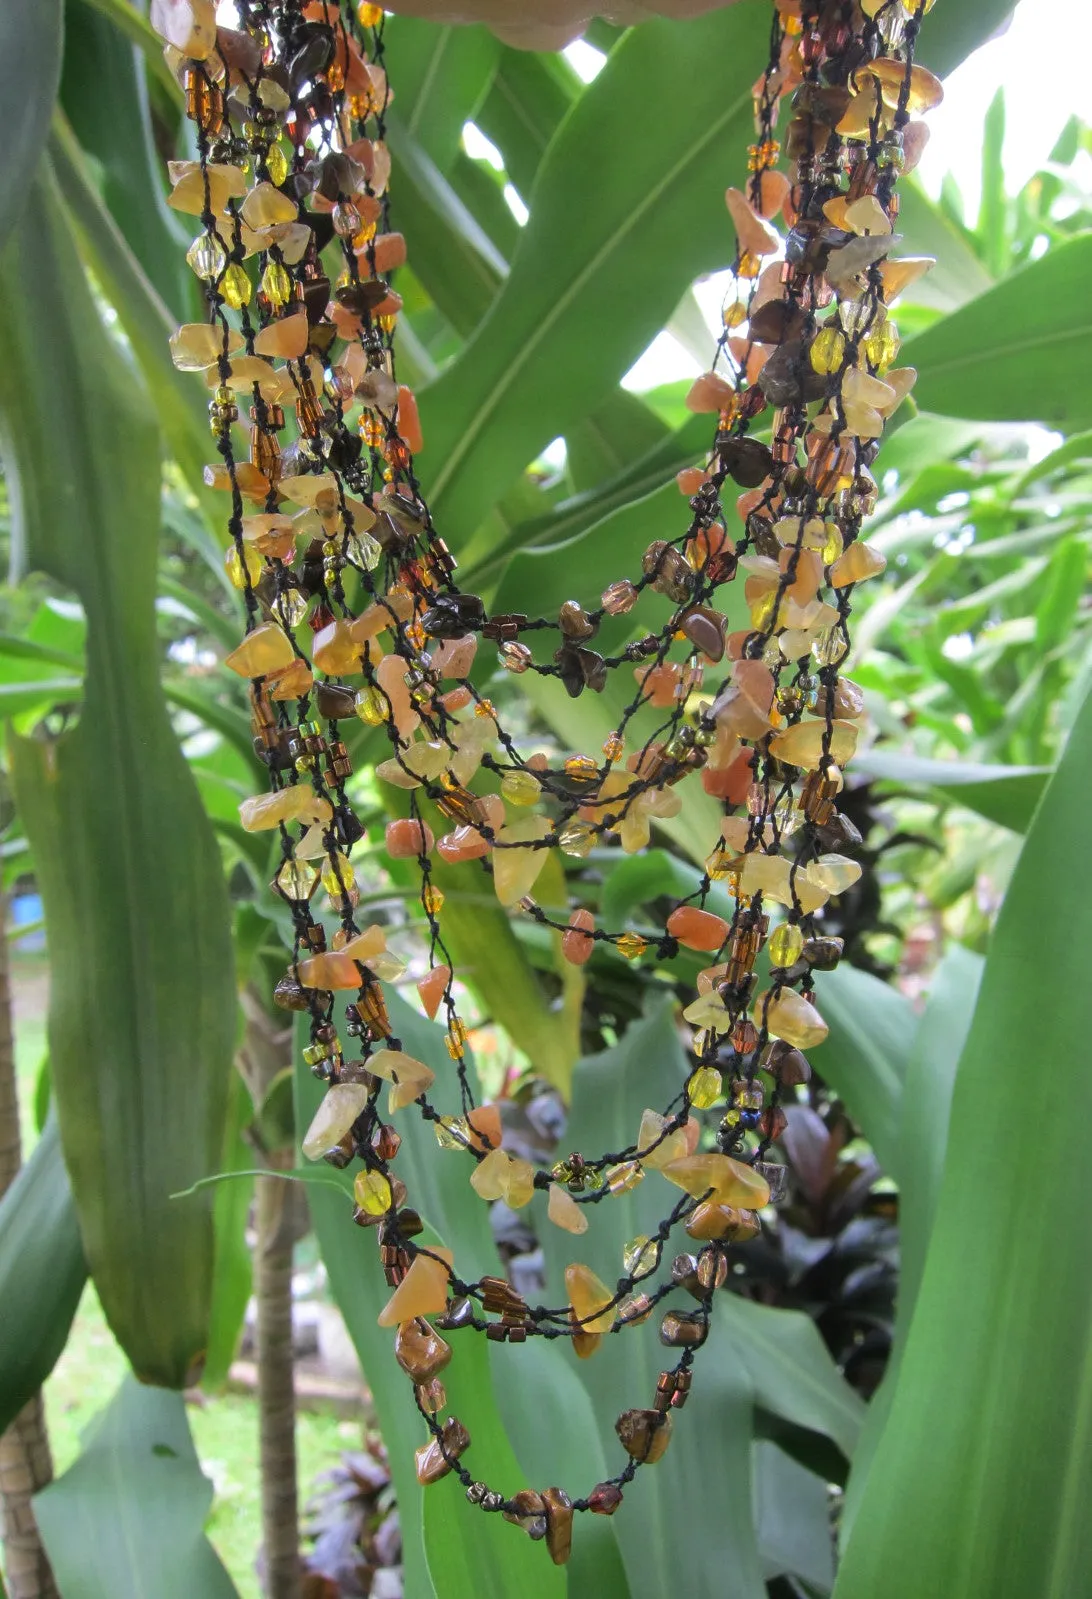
786,942
236,287
338,876
621,1179
515,657
372,1192
614,747
735,314
632,946
581,769
520,788
245,572
704,1087
276,285
207,256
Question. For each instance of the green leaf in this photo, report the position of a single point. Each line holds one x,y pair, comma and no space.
529,96
30,70
440,75
127,1518
996,1370
992,229
1006,795
42,1273
926,230
138,30
471,1556
142,1011
866,1054
554,343
1060,604
232,1265
1020,352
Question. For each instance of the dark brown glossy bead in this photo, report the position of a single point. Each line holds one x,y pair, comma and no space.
705,630
430,1460
575,622
679,1331
772,1122
684,1272
775,322
559,1524
747,461
421,1352
787,1064
644,1434
823,953
604,1499
386,1141
459,1313
335,702
712,1269
528,1510
289,995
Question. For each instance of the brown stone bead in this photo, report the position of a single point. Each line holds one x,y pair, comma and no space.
528,1510
705,630
421,1353
429,1459
289,995
575,621
680,1331
335,702
431,1396
787,1064
604,1499
667,568
823,954
644,1434
772,1122
559,1524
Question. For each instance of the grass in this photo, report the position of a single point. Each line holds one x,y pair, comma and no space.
224,1428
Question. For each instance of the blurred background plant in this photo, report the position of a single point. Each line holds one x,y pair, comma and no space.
549,253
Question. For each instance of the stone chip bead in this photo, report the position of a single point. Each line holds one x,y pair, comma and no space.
559,1524
727,1181
406,839
577,944
433,1461
422,1291
342,1104
563,1210
697,929
504,1176
421,1352
591,1300
644,1434
789,1016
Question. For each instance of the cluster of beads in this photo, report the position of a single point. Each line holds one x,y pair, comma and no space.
353,611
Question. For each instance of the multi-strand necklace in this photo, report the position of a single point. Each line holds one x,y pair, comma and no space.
354,610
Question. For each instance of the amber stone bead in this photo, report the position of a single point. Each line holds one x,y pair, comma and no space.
644,1434
788,1015
516,869
576,945
430,1460
604,1499
432,989
423,1290
421,1352
341,1106
559,1524
731,1182
563,1210
591,1299
406,839
504,1176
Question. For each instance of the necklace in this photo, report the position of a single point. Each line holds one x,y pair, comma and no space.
353,610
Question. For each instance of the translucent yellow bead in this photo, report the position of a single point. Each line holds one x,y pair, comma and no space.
277,162
207,256
372,1192
828,350
520,788
236,287
364,235
577,838
276,285
641,1255
452,1132
832,545
705,1087
632,946
614,747
881,344
372,706
370,16
297,879
624,1177
581,769
735,314
749,265
786,942
244,572
432,899
338,876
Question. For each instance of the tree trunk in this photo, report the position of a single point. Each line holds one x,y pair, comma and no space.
25,1462
266,1051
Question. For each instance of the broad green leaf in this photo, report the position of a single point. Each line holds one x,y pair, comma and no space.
529,96
866,1054
136,28
30,70
1006,795
554,343
440,76
232,1268
142,1008
959,274
621,430
1066,582
990,1417
42,1273
471,1556
127,1518
1020,352
992,230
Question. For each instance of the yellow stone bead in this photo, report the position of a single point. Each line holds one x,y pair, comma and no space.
658,1154
802,744
335,651
563,1210
788,1015
372,1192
828,350
298,803
422,1291
504,1176
590,1299
786,942
236,287
277,162
834,873
409,1078
338,876
516,870
728,1181
520,788
264,652
370,15
340,1107
857,565
632,946
705,1087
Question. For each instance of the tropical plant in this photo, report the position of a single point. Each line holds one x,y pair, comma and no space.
128,750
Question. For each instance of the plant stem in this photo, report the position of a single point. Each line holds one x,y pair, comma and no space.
25,1461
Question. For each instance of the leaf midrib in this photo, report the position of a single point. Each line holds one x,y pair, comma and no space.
561,304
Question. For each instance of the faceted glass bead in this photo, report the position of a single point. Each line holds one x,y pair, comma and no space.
452,1132
297,879
881,343
577,838
590,1299
363,550
641,1255
276,285
338,876
705,1087
828,349
207,257
236,287
243,573
372,706
831,647
786,942
372,1192
632,946
277,163
520,788
618,598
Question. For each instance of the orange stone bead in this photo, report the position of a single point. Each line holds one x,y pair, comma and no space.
576,945
406,839
432,989
697,929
